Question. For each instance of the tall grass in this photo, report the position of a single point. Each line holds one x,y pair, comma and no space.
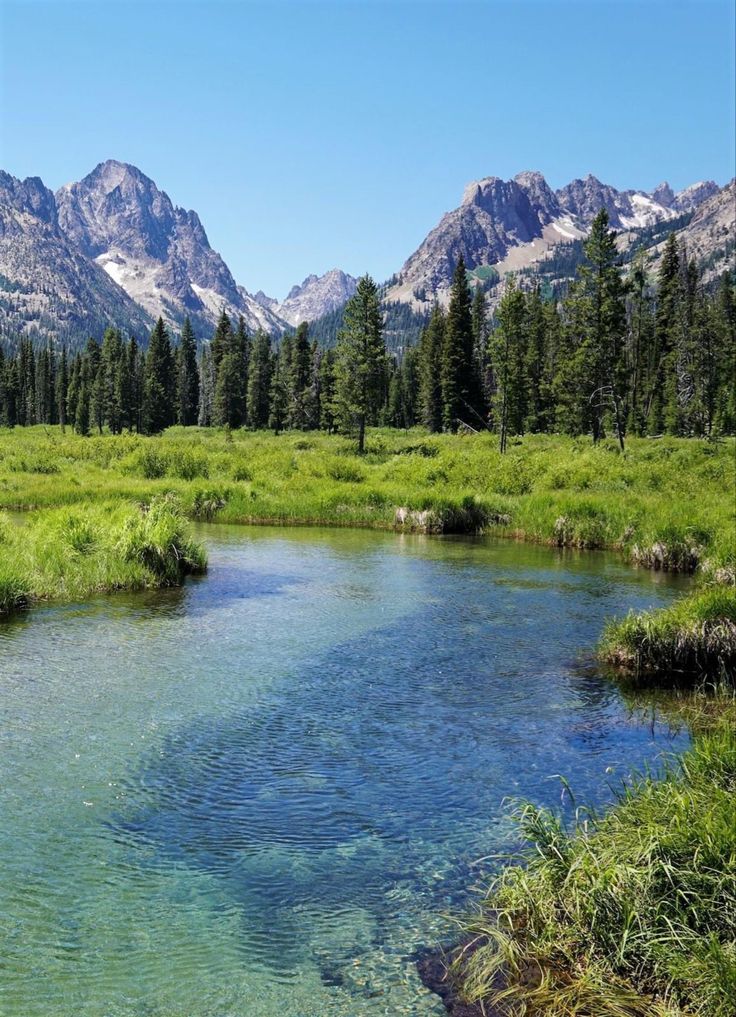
77,551
694,638
632,914
550,489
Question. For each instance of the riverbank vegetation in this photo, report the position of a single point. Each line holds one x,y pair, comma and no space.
628,914
692,639
75,552
550,489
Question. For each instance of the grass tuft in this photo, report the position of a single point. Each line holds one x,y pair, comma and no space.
628,915
693,638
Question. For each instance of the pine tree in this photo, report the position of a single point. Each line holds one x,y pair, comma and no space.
662,409
109,379
429,357
640,345
206,388
228,405
360,361
94,385
461,397
536,368
480,340
158,381
187,377
133,394
42,408
327,391
26,383
222,340
82,396
603,309
259,381
298,380
278,395
72,391
724,421
508,344
60,389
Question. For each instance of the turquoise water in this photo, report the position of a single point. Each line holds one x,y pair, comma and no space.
261,794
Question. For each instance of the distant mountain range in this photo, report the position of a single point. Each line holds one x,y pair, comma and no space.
515,225
114,249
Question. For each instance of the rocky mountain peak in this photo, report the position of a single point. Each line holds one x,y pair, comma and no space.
30,196
695,195
478,191
316,296
540,194
663,194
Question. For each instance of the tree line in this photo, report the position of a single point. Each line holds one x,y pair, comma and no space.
620,354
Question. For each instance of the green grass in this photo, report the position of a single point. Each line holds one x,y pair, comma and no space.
694,638
74,552
632,914
549,489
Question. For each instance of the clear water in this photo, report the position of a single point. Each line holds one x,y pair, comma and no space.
259,795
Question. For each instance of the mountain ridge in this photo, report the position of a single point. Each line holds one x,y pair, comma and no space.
113,248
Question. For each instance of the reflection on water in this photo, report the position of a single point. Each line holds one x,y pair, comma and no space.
258,795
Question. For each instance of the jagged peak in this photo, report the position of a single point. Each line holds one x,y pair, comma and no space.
476,188
530,177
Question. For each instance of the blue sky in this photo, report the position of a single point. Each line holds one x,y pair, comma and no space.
309,135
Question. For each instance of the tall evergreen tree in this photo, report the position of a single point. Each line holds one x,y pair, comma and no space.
429,367
278,394
327,391
360,361
603,309
158,381
461,396
60,388
508,345
299,380
259,381
187,377
662,400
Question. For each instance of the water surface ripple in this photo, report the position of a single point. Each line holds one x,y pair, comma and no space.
258,795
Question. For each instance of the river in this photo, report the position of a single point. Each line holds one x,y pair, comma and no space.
261,794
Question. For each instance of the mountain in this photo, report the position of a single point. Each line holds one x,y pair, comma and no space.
708,237
114,249
316,296
48,289
509,225
158,253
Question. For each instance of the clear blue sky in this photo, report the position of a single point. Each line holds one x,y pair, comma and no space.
309,135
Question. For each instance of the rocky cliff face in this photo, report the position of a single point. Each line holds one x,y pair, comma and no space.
158,253
710,236
511,224
48,289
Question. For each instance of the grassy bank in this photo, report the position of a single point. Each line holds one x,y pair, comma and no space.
695,638
632,914
550,489
73,553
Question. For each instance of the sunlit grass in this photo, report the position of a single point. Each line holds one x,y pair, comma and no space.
694,637
666,503
74,552
632,914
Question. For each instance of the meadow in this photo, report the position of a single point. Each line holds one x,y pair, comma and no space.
664,503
